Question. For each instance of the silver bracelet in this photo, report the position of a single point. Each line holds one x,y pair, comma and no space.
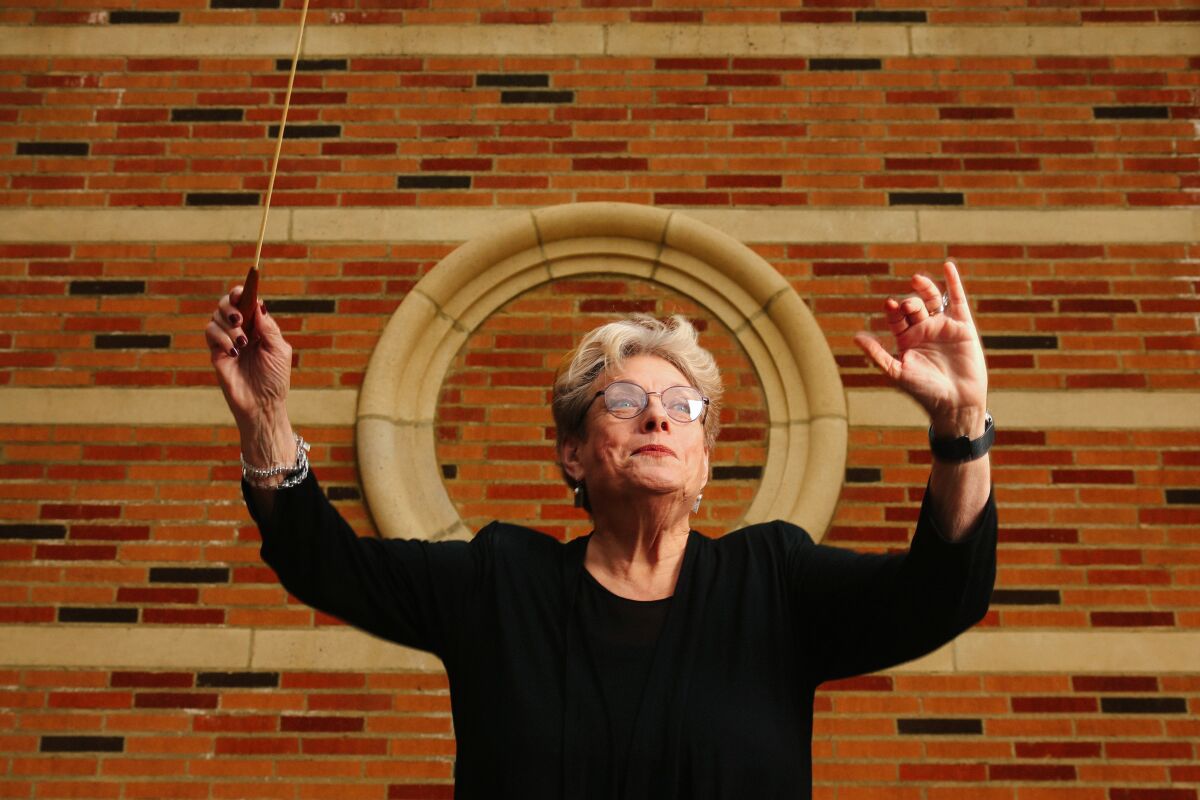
295,474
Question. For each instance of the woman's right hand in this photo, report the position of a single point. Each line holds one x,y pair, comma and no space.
254,376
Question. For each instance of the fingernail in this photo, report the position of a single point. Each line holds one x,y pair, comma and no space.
234,319
264,307
233,352
242,341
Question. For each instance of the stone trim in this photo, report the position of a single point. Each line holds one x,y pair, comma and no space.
397,405
623,39
867,408
445,224
350,650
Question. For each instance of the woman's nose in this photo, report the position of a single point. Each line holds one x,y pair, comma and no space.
655,414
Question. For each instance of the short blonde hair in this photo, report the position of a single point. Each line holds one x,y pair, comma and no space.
605,348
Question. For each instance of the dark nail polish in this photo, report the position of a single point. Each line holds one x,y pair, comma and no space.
242,341
233,352
264,307
234,319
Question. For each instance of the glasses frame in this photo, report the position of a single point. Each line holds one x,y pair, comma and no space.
703,414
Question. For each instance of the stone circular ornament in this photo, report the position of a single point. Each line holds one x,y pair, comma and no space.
397,405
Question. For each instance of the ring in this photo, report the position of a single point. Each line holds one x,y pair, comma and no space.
944,306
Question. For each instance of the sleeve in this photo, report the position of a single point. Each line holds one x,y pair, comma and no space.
411,592
863,612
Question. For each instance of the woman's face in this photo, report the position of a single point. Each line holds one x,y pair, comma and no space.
649,454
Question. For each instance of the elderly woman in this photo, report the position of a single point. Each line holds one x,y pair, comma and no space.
643,660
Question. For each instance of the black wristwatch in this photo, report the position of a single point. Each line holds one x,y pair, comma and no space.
962,449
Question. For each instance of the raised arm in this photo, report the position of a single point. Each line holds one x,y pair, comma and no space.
407,591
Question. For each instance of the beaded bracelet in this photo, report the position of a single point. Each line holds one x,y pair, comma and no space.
296,473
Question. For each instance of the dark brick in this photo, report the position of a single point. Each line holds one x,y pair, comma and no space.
207,114
737,473
311,64
129,341
536,97
321,724
863,475
142,17
1183,496
297,306
306,131
107,287
889,16
925,198
175,700
838,64
82,744
191,574
1026,597
158,680
221,199
449,471
76,614
1143,705
433,182
219,4
52,148
16,531
939,727
242,680
1020,342
1131,112
530,81
343,493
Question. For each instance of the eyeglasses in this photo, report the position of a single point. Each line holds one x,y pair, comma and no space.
627,400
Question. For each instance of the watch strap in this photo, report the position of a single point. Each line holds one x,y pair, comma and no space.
963,449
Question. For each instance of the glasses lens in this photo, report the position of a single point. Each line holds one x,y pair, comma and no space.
625,400
683,403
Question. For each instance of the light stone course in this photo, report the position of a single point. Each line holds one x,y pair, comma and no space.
206,648
868,408
94,646
1065,226
620,39
1051,40
1053,226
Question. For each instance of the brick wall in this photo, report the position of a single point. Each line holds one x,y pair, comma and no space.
134,164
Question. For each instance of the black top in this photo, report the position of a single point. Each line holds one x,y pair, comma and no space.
621,635
759,618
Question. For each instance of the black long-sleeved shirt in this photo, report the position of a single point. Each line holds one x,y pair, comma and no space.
759,618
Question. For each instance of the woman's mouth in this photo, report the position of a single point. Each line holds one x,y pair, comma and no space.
654,450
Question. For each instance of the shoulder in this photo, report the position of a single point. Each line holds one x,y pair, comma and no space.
777,541
503,541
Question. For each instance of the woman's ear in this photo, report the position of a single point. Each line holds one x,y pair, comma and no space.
568,457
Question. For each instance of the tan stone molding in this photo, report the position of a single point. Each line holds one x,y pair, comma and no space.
148,406
867,408
1050,226
598,40
351,650
806,405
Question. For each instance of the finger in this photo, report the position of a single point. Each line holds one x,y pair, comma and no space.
929,293
219,343
897,324
958,295
914,310
878,354
227,306
234,332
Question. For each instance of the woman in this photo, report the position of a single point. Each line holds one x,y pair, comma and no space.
643,660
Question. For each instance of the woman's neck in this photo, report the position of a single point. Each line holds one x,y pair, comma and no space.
637,555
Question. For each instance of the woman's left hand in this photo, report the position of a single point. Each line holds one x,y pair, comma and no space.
939,360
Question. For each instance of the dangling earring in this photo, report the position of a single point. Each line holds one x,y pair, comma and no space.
696,505
580,495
